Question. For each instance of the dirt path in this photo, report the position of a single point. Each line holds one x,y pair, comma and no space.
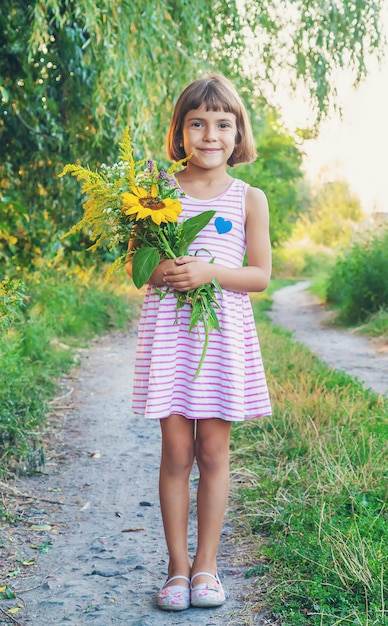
93,515
88,542
296,309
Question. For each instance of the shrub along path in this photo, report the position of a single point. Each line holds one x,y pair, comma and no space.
297,310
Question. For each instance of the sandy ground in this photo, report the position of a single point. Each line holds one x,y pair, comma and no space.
88,545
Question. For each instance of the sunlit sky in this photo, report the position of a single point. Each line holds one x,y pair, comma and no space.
354,148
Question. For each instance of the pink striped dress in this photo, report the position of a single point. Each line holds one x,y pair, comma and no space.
232,384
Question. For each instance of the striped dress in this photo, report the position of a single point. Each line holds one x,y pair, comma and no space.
232,384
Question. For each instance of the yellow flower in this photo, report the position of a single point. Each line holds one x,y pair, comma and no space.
145,203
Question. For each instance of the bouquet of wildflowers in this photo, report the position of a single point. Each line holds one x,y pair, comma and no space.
134,200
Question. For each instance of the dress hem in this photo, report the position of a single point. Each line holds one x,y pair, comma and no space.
224,419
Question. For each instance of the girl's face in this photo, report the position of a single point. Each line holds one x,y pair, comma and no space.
210,136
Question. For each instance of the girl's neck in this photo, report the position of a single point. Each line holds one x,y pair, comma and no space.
203,184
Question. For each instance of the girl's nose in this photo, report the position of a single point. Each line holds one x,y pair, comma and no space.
210,133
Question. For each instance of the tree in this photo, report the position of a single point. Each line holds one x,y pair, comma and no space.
137,55
74,74
333,216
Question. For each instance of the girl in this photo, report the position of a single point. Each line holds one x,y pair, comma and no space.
210,122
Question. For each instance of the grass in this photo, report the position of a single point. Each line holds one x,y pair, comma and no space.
63,310
314,483
376,325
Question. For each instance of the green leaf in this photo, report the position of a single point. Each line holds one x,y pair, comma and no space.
144,262
217,286
6,593
194,318
191,227
45,547
213,319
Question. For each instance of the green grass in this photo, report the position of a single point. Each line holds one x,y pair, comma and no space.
315,484
63,310
376,325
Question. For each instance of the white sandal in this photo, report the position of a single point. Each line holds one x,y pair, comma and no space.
174,597
206,595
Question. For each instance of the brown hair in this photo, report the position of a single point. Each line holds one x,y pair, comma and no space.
217,93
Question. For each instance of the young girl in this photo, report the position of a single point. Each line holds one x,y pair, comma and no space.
210,122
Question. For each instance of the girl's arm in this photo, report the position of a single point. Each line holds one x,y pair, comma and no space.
128,264
190,272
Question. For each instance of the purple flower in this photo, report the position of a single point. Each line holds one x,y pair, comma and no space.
164,176
150,165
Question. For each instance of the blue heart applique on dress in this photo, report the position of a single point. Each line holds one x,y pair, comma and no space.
222,226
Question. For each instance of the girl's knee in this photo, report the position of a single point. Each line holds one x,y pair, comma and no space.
212,445
212,456
177,459
177,445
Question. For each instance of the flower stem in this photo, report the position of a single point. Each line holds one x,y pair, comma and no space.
167,247
206,327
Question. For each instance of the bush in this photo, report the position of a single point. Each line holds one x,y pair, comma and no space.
358,284
301,260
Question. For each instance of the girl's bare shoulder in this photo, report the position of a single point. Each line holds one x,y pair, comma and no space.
256,202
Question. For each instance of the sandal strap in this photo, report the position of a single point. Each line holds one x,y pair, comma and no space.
205,574
169,580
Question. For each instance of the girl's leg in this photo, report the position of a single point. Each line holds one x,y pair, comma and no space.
174,490
212,453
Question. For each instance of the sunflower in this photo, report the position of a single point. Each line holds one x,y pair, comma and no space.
146,203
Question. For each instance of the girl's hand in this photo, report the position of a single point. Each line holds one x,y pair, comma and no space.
157,277
188,272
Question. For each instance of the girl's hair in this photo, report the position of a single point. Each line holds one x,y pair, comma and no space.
217,93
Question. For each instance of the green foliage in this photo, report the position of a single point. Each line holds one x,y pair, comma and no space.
301,260
377,325
314,483
329,218
74,74
144,43
11,300
337,197
62,310
277,171
332,218
13,215
358,284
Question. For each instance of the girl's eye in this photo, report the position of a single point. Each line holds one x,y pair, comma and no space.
196,124
224,125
